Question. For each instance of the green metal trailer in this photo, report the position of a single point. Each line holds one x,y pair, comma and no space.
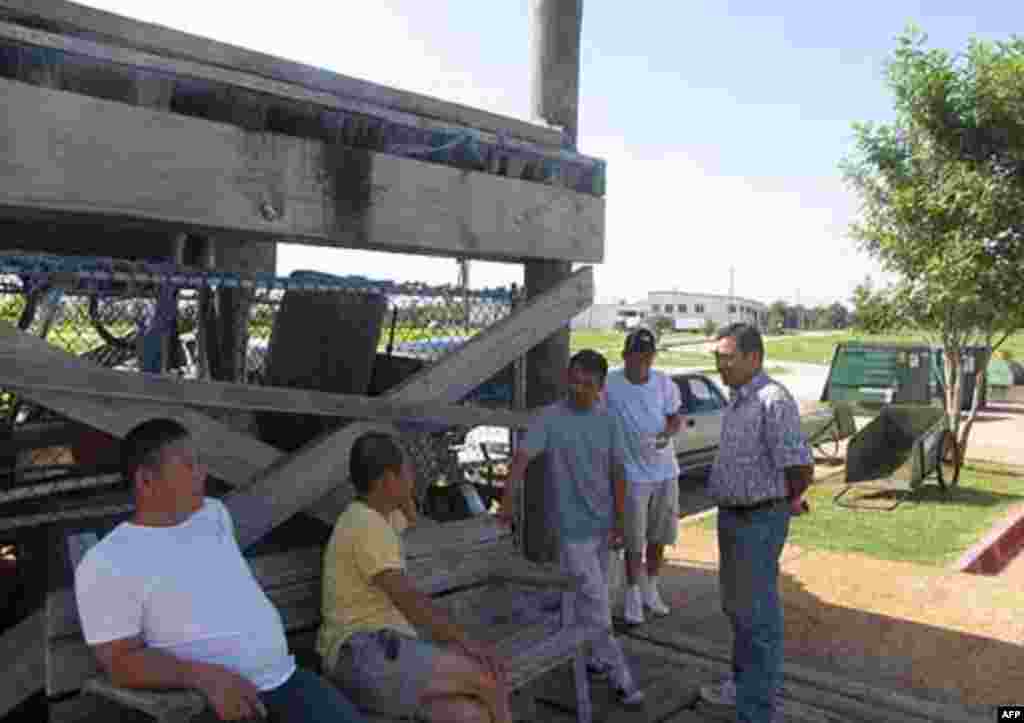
875,374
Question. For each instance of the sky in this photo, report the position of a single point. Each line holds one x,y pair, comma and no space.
722,122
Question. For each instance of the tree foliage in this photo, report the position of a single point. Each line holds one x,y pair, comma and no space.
942,199
777,315
872,311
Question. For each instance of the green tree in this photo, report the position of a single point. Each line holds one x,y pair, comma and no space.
777,315
710,328
839,316
872,311
661,325
942,199
822,316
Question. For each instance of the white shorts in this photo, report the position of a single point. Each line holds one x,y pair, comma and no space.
652,515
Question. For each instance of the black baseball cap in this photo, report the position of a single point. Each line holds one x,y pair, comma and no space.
641,341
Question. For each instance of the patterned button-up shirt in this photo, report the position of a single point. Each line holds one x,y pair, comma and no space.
760,438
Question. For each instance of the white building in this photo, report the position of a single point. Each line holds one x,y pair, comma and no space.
687,311
694,310
607,316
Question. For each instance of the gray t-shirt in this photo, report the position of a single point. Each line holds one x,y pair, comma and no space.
582,449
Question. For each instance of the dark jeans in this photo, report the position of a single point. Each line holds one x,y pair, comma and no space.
750,544
307,697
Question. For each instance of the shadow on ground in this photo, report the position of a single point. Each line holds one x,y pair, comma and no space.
939,661
932,494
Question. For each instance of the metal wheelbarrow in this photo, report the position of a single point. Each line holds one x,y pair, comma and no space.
902,447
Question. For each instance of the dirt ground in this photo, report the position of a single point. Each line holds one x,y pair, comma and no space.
947,635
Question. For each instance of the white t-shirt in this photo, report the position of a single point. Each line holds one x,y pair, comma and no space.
189,592
641,410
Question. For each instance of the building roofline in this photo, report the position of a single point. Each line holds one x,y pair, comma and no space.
713,296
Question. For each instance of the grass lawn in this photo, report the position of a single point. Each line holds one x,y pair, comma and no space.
930,528
610,344
818,349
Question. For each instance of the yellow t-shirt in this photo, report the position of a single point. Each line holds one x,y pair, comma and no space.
363,544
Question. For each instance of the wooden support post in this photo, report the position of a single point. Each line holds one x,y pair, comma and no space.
555,91
545,366
233,305
206,259
168,352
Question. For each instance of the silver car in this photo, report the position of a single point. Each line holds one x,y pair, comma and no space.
702,406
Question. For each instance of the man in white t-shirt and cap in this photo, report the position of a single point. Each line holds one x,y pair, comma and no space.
646,404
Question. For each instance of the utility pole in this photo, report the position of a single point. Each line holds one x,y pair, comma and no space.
732,291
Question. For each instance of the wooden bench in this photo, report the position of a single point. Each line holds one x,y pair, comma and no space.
471,567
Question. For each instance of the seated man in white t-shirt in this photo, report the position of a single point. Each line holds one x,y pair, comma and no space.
167,601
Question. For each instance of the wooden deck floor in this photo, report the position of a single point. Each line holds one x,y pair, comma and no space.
670,670
671,677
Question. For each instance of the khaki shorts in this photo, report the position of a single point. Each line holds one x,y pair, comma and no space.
652,515
385,672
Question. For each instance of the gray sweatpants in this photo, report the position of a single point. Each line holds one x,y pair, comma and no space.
588,559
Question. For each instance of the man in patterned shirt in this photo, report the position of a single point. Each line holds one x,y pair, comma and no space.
763,467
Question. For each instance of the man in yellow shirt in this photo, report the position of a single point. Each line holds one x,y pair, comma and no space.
371,611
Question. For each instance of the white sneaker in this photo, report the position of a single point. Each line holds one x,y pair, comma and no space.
652,598
722,694
633,610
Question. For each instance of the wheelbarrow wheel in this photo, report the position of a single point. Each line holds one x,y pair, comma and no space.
949,461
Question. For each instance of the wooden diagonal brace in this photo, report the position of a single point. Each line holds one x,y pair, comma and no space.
29,364
240,459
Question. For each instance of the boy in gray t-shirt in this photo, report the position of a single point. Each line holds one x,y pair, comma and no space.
584,461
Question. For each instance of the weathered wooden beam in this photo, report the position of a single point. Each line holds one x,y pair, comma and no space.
231,456
239,459
157,74
105,27
62,152
29,364
457,374
21,649
297,481
40,435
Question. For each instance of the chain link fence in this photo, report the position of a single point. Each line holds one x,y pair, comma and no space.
132,316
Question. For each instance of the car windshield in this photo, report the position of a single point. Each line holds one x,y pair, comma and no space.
701,397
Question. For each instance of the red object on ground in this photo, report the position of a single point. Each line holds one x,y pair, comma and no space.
997,548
